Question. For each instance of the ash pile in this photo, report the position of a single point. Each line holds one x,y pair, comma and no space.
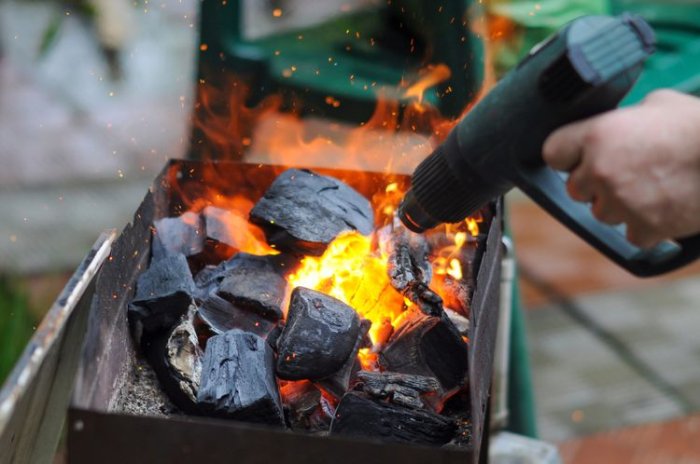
227,337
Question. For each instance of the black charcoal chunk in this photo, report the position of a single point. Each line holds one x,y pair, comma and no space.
339,382
254,283
176,359
320,336
403,389
221,316
305,407
238,379
178,235
429,346
302,212
358,415
163,294
219,239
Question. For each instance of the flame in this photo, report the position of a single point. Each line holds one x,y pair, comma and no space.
431,76
351,271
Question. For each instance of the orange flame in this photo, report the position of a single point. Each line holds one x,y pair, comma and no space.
432,75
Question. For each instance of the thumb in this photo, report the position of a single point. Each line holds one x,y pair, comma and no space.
563,148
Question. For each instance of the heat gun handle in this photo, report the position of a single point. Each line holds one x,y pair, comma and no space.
548,189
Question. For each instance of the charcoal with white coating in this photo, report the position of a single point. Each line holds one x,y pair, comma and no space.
176,359
320,335
359,415
403,389
183,234
409,268
238,379
302,212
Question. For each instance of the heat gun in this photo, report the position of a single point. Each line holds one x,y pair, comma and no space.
584,69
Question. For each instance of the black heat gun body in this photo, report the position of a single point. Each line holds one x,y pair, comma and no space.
584,69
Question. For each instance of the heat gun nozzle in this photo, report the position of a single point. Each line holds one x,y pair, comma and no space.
413,216
438,194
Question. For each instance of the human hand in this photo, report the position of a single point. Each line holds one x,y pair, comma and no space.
637,165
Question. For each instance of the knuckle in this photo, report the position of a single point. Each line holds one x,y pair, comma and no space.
659,95
599,170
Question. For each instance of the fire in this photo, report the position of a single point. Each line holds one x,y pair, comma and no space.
351,271
393,141
432,75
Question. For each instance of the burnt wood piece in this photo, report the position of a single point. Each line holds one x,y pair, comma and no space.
456,293
409,268
238,379
221,316
302,212
176,359
360,416
429,346
403,389
320,335
183,234
163,294
254,283
305,407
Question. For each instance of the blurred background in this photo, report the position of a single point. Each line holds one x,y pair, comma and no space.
96,95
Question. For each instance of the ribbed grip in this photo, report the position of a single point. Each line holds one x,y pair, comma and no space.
439,192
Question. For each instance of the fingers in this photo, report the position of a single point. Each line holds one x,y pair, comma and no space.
563,149
607,211
642,235
579,186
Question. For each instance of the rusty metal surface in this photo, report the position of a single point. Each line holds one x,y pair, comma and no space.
482,331
95,435
34,399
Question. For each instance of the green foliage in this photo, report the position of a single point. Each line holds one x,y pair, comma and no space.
16,325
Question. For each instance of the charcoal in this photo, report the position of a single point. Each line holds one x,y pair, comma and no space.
459,321
218,238
320,335
254,283
238,379
305,407
429,346
302,212
338,383
178,235
456,293
358,415
163,294
409,268
221,316
210,277
176,359
403,389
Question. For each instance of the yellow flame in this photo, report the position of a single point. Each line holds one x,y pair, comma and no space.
352,273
